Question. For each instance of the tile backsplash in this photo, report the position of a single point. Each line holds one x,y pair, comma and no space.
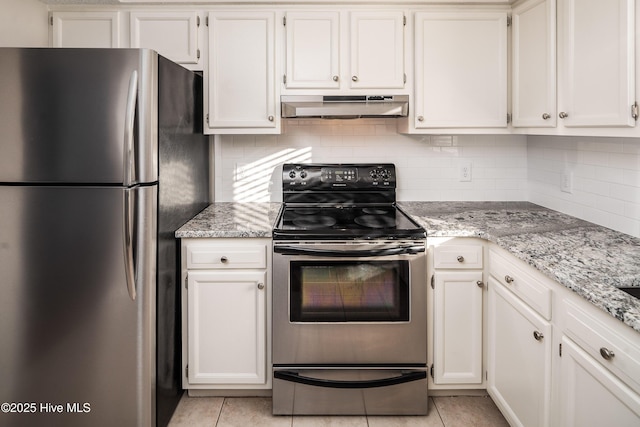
603,173
248,167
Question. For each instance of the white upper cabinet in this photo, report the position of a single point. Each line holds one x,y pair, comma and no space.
328,50
534,64
241,95
85,29
377,50
313,50
174,34
461,70
597,66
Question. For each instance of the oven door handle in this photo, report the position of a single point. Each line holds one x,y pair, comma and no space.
382,382
402,250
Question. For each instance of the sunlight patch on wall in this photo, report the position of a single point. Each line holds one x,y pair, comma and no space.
252,181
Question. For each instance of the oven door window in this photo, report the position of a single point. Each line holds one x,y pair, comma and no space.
349,291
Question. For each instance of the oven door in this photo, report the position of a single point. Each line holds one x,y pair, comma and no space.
349,303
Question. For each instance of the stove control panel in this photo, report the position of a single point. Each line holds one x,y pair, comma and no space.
308,177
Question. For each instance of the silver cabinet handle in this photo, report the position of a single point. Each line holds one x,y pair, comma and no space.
538,335
563,115
460,258
420,119
508,279
606,353
480,283
546,116
260,285
224,259
354,78
271,118
335,78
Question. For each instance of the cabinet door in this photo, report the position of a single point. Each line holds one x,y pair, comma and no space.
534,64
519,353
597,62
227,327
591,395
313,50
241,72
85,29
377,50
458,328
461,70
173,34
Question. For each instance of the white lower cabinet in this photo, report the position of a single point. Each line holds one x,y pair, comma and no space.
599,368
519,365
457,295
591,395
458,328
226,319
227,328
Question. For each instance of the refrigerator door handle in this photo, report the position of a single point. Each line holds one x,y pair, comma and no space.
129,267
130,115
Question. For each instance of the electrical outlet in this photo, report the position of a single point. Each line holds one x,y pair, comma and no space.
465,171
567,181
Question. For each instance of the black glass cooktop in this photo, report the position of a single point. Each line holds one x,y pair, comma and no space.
360,222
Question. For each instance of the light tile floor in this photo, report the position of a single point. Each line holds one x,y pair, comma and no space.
460,411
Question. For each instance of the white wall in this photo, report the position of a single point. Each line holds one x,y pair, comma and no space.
606,178
248,167
23,23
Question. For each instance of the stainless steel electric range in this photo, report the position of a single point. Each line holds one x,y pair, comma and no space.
349,296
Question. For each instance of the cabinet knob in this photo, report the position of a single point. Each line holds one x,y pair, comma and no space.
224,260
563,115
420,119
260,285
460,258
508,279
546,116
354,78
538,335
480,283
271,118
335,78
606,353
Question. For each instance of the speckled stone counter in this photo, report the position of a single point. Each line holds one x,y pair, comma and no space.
228,219
590,260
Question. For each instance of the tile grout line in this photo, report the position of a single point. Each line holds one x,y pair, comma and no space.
437,411
224,401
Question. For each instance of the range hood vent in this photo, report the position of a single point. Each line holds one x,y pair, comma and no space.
344,107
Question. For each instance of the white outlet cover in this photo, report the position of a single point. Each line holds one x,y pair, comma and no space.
465,171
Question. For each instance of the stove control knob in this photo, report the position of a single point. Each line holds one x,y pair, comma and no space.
374,174
292,174
303,174
385,174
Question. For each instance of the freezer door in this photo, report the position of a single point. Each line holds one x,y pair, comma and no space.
78,115
71,333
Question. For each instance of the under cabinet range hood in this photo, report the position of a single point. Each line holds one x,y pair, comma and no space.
344,107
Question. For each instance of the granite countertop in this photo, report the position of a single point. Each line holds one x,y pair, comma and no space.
590,260
230,219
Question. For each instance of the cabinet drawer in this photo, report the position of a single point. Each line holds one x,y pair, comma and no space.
604,344
226,257
524,285
457,256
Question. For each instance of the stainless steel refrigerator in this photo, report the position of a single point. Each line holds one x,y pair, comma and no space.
102,158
